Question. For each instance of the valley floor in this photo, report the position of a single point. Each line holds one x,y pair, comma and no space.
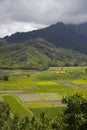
31,91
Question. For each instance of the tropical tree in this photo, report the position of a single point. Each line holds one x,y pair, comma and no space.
75,114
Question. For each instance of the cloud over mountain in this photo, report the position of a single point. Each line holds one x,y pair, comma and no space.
24,15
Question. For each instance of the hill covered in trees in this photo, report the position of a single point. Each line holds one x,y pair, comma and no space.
37,54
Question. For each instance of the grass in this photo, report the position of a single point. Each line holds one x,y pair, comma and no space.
79,81
8,87
50,111
16,106
39,104
46,83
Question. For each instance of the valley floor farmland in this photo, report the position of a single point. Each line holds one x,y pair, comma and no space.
33,91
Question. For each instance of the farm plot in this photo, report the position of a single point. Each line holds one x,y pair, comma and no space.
50,111
64,90
35,90
16,106
7,86
44,104
58,104
29,87
39,104
61,89
46,76
11,91
48,85
83,82
50,96
29,97
66,82
81,86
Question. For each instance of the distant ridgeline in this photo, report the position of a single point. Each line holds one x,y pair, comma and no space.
66,36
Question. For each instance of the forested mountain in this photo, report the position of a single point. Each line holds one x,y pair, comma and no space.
59,34
37,54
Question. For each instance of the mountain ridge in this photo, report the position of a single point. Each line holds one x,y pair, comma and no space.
59,34
79,28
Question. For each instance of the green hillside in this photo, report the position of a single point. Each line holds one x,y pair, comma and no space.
37,54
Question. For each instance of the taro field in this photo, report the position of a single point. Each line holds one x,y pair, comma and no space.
30,91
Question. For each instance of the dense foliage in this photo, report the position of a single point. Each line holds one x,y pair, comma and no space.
38,54
15,122
74,117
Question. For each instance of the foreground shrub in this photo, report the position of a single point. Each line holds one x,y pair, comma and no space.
74,117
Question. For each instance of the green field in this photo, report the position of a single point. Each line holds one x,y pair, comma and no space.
29,91
16,106
50,111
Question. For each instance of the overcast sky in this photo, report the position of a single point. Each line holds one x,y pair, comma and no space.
26,15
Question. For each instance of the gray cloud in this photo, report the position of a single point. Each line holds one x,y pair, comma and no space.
24,15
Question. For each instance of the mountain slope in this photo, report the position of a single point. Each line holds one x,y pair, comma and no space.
38,54
79,28
59,34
